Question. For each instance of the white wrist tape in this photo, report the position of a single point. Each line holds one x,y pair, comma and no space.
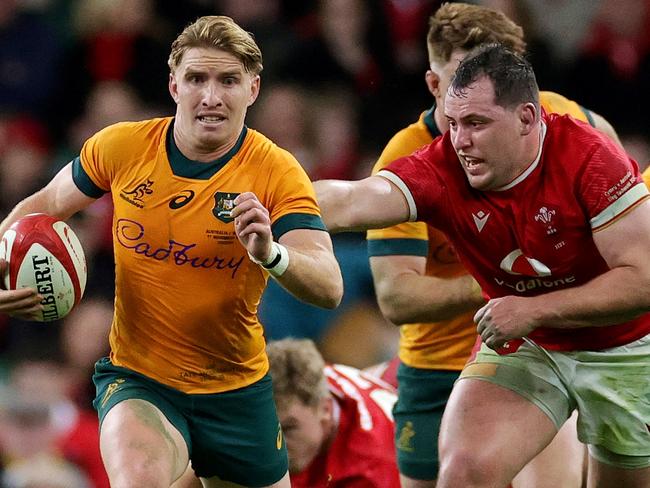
277,262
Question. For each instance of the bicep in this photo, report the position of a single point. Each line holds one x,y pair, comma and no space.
626,242
380,202
307,240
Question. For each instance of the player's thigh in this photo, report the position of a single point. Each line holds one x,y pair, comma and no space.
135,435
505,408
611,389
561,463
422,397
613,471
141,423
488,424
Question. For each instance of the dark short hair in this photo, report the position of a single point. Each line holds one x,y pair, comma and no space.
511,74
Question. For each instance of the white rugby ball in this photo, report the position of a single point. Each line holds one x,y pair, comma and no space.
45,254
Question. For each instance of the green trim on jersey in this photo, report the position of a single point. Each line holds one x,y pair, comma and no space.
297,221
430,122
83,181
398,247
187,168
589,115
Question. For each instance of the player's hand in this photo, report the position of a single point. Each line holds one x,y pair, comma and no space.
253,225
24,303
503,319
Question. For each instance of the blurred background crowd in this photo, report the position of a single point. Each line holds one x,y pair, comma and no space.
340,77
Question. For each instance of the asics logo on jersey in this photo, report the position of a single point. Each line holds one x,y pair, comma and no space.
137,194
480,219
181,200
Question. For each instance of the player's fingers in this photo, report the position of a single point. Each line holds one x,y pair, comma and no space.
253,215
253,229
481,312
10,296
20,304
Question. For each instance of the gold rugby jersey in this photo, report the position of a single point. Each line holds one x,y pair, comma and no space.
186,292
442,345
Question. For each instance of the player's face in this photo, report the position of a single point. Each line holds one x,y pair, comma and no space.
212,91
441,75
306,430
486,137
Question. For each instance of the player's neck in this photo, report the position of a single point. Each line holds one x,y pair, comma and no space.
196,151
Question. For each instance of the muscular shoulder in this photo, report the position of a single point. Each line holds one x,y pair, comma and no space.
130,133
265,152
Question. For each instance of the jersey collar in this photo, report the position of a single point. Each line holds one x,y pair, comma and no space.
531,167
188,168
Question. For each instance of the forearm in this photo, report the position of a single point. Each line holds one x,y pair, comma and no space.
371,203
313,277
619,295
35,203
415,298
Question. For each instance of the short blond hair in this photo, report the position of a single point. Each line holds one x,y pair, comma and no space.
219,32
297,371
465,26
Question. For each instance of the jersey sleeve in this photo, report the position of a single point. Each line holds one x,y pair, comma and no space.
409,238
293,199
95,168
646,177
610,184
417,176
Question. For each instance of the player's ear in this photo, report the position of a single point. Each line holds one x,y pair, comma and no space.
326,408
173,87
255,89
433,82
528,116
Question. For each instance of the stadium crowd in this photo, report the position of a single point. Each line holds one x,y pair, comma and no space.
340,78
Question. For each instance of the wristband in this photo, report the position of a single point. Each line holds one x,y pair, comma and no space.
277,262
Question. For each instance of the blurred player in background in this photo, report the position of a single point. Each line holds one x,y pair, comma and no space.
336,420
421,284
552,219
205,210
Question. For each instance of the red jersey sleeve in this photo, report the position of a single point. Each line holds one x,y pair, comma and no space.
418,176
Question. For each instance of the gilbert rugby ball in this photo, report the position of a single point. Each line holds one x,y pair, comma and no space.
45,254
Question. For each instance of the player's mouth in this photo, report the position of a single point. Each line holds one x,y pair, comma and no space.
211,119
472,165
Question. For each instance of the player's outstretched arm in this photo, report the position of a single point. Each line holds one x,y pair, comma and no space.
59,198
371,203
406,295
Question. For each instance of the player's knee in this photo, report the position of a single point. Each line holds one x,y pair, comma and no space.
465,467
